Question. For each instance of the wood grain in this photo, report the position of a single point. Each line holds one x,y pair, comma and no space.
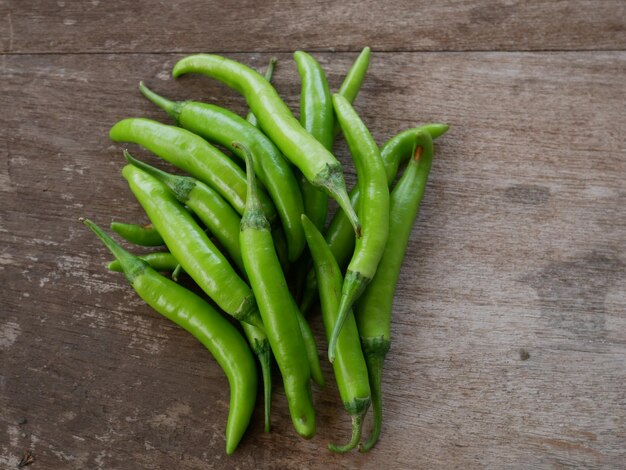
45,26
509,331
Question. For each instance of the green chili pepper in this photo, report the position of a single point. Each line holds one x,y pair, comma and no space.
217,215
373,310
221,126
269,73
373,210
165,261
160,261
339,235
200,319
223,222
317,164
192,154
143,235
354,79
192,247
349,366
277,308
316,116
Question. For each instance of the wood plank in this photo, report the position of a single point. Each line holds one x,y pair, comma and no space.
509,329
43,26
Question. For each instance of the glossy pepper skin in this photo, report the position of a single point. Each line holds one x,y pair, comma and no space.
269,74
196,316
277,308
159,261
317,117
142,235
373,211
354,79
316,163
192,154
394,153
373,309
165,261
223,223
349,366
193,249
218,216
339,234
221,126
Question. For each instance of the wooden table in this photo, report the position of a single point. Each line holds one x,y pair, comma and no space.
509,333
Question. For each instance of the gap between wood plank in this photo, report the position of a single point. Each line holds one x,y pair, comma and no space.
322,51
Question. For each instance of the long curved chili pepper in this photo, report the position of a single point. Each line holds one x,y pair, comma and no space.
201,320
217,215
317,164
276,308
269,73
221,126
317,117
339,234
373,309
165,261
192,247
192,154
142,235
373,211
349,366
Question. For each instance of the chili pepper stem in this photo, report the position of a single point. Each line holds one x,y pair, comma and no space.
375,369
253,205
131,265
170,107
353,286
332,182
266,372
357,427
176,272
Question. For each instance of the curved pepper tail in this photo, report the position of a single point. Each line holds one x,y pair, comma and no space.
172,108
374,370
343,200
344,309
353,286
357,427
265,360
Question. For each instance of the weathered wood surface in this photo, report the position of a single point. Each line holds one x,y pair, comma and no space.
34,26
510,319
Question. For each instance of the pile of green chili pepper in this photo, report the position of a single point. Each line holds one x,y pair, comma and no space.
252,234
